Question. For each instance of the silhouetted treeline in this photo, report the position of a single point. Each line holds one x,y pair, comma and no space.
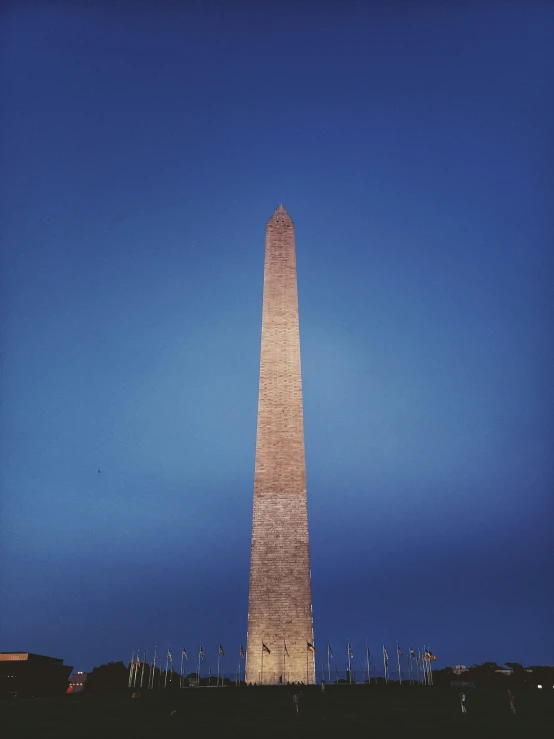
114,676
110,677
488,674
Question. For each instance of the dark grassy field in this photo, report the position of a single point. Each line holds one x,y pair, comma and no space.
268,712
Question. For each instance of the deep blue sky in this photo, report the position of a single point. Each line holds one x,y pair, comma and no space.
144,150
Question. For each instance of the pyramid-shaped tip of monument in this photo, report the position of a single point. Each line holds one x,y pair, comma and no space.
280,215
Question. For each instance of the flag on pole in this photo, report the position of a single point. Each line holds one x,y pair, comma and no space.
265,649
329,650
201,653
169,657
350,654
386,654
241,652
185,655
221,651
138,660
286,650
400,652
430,656
310,647
412,653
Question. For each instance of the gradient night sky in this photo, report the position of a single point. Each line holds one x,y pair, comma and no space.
144,151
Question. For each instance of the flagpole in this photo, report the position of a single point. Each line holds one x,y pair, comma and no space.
385,665
427,662
428,654
151,675
431,670
398,662
349,665
262,675
198,674
329,660
129,683
142,671
367,658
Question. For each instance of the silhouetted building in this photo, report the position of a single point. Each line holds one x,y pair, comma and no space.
77,682
28,675
458,669
280,627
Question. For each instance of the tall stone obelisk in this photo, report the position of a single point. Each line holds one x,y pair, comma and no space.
280,601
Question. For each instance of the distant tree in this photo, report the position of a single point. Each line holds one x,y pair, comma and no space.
515,666
540,675
518,676
113,676
485,674
444,676
487,669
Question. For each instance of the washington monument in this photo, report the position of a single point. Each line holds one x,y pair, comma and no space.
280,626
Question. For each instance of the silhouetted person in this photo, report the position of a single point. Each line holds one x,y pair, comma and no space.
511,698
463,702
